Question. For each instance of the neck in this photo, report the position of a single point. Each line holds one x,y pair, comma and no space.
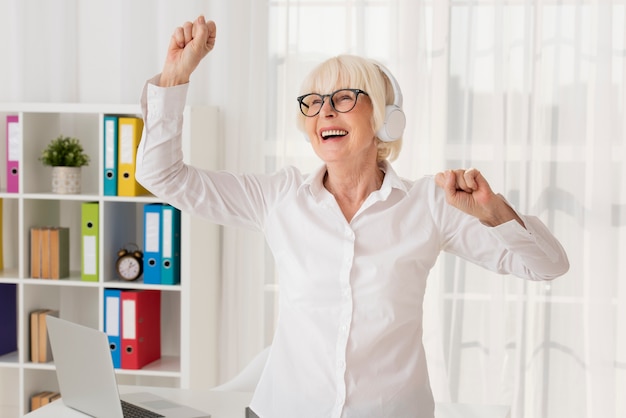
353,185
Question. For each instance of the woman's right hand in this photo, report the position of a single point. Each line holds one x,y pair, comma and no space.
188,45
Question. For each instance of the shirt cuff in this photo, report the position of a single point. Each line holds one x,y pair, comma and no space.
159,102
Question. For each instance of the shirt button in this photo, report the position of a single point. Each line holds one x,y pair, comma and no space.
341,364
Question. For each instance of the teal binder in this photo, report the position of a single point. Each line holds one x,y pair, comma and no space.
110,155
170,245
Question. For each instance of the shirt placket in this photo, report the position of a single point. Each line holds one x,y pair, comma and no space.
345,319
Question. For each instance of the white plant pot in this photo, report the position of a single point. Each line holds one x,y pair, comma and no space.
66,180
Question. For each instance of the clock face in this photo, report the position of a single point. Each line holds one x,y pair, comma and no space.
128,267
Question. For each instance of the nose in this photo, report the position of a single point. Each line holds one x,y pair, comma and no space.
327,107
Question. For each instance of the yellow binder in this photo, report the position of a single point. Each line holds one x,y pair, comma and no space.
129,135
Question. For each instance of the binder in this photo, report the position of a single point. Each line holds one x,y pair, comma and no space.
13,143
110,155
8,313
152,243
1,235
170,245
90,229
141,328
112,324
129,136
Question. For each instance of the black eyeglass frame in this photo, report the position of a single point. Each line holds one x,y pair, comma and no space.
332,103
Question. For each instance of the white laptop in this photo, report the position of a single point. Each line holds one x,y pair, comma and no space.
87,380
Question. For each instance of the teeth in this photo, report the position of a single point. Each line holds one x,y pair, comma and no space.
334,132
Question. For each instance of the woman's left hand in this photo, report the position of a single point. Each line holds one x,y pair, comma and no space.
467,190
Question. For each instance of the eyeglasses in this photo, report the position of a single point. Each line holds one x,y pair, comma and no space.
342,101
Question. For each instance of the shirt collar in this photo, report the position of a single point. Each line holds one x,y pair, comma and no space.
314,182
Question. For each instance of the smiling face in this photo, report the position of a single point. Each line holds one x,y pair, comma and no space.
343,137
336,135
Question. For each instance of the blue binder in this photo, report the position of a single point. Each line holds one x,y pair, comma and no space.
170,245
152,243
113,324
110,155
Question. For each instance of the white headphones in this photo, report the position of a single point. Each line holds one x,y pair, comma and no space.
395,120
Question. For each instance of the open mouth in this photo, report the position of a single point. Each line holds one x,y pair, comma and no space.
334,133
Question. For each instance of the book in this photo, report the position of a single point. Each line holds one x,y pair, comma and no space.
59,244
35,252
40,351
49,252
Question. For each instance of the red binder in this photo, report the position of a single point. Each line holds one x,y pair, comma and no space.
141,328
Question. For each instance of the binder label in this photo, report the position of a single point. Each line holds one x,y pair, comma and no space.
152,232
89,242
168,239
14,141
113,315
126,142
109,157
129,332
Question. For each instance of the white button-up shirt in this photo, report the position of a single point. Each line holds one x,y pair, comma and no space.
348,341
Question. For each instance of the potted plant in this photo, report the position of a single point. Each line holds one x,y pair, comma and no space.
66,157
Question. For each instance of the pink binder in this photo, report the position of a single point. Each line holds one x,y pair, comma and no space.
14,139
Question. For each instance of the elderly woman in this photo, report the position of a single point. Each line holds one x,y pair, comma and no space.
353,242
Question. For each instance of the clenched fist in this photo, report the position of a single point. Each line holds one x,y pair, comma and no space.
467,190
189,44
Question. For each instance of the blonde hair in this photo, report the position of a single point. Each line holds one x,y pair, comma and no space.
351,71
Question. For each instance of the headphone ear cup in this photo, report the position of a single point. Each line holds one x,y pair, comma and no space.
393,125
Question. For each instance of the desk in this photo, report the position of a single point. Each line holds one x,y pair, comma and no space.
225,404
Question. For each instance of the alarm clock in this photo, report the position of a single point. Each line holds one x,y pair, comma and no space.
129,265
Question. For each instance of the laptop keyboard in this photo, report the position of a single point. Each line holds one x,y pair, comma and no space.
133,411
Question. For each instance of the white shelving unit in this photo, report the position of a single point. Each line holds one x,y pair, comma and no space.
189,310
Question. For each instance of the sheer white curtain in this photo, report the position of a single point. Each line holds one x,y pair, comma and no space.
530,92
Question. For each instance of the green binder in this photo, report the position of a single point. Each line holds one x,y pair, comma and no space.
89,265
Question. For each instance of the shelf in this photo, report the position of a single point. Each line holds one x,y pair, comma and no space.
188,310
